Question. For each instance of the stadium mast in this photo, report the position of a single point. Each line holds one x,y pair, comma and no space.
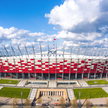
54,43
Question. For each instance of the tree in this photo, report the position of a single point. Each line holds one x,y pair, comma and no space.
39,100
87,103
106,102
62,102
15,102
73,103
27,103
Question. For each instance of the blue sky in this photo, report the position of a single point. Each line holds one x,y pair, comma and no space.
71,22
26,14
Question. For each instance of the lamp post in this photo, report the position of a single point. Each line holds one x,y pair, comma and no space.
21,99
79,100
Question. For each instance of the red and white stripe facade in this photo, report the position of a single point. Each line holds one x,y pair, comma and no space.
54,64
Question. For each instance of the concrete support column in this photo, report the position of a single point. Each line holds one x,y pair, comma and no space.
62,93
59,93
100,75
50,93
44,93
106,75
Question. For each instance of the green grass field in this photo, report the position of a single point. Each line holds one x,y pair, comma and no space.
95,82
8,81
90,92
14,92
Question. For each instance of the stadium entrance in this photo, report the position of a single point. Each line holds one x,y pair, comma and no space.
51,93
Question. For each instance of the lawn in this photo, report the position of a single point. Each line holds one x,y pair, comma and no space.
14,92
94,82
90,92
8,81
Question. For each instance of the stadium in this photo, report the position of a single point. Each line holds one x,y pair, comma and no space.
52,65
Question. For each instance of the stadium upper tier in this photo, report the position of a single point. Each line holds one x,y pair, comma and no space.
59,65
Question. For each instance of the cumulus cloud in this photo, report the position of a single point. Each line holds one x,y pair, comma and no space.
12,32
18,41
36,34
73,12
78,36
84,21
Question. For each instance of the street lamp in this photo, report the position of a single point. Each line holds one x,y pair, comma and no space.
79,100
21,99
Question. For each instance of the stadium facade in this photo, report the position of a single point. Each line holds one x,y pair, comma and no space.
52,65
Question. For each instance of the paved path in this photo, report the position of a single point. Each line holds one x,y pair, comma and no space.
83,83
107,80
70,94
52,83
22,83
32,93
96,101
10,85
1,87
105,89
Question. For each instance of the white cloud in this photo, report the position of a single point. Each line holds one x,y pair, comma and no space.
69,43
7,45
78,36
18,41
36,34
74,12
102,42
55,28
47,38
12,32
